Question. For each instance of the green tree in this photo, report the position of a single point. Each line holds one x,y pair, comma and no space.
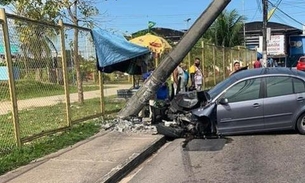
5,2
77,12
226,30
33,37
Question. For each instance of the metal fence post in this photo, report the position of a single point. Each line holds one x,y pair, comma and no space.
246,56
223,62
203,60
189,58
102,99
156,61
231,58
11,82
252,59
214,63
65,72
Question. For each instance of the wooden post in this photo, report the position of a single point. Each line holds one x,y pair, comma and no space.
202,65
65,72
11,82
102,97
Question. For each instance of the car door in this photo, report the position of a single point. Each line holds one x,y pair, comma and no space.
244,110
284,97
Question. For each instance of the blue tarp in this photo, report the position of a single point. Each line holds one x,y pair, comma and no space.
14,49
259,55
115,53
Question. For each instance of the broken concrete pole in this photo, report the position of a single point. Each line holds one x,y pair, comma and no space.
172,60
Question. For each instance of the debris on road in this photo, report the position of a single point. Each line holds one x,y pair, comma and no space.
173,118
131,125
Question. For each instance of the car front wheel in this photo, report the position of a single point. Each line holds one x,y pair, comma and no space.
301,124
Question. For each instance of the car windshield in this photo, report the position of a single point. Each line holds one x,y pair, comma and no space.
216,90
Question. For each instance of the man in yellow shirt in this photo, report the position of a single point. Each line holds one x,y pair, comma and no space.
196,75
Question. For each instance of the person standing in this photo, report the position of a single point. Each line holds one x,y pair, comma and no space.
257,63
185,78
177,75
180,80
236,67
162,94
196,75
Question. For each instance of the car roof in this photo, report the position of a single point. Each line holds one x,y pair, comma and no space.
268,71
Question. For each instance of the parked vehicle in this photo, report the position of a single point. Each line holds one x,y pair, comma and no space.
301,63
254,100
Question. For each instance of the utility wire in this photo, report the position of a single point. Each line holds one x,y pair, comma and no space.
286,14
280,18
278,3
259,5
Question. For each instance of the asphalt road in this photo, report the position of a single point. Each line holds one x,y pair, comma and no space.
253,158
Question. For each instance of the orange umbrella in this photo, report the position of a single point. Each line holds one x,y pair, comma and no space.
155,43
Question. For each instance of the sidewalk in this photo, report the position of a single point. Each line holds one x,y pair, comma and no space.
5,107
105,157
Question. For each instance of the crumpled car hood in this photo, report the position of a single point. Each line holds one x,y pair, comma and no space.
205,111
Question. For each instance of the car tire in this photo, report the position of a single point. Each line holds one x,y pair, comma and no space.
301,124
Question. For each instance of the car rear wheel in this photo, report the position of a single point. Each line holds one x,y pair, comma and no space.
301,124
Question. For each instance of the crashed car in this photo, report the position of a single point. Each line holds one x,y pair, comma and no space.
254,100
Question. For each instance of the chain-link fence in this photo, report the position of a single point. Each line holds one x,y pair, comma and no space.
7,140
83,76
217,62
49,82
39,81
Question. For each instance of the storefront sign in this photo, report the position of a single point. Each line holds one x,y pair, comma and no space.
275,46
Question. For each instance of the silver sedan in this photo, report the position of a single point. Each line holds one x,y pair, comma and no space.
249,101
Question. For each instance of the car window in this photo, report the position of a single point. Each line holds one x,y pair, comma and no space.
245,90
299,86
213,92
279,85
302,59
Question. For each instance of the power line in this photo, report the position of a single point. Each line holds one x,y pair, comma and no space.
258,3
286,14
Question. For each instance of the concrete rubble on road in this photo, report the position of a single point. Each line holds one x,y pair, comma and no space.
133,125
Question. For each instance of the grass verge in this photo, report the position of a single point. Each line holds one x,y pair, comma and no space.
41,119
46,145
26,89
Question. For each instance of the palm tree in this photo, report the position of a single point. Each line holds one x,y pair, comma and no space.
226,29
32,37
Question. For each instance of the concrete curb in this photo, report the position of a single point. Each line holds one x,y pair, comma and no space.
116,174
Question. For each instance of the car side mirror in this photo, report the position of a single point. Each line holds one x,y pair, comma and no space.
223,101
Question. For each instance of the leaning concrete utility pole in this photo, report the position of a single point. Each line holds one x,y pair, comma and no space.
172,60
